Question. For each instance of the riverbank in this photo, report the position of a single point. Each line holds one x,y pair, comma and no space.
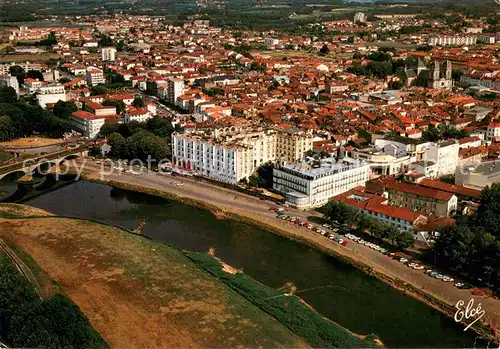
232,205
145,293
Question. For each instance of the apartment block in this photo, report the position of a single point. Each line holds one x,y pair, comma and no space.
313,183
108,54
50,94
226,154
9,81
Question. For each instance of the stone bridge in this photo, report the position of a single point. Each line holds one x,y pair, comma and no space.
29,166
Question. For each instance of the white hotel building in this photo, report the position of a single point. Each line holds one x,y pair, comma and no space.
312,184
227,155
231,154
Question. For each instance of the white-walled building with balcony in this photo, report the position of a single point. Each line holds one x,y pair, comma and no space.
226,154
50,94
312,183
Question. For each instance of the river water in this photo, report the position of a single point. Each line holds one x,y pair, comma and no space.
339,291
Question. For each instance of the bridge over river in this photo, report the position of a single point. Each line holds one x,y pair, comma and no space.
29,166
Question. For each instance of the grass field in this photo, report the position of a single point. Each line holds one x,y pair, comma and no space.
139,293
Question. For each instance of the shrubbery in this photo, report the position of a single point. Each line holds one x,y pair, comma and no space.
28,321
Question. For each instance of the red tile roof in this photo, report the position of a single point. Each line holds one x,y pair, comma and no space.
450,188
419,190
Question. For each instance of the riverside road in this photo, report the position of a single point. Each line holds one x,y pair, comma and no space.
257,210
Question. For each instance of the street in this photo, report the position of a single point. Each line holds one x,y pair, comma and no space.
256,210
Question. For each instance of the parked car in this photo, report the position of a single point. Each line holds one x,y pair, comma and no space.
403,260
478,292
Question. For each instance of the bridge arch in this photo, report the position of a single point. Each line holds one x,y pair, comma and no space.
43,167
14,175
68,157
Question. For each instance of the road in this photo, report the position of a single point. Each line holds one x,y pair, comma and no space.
258,211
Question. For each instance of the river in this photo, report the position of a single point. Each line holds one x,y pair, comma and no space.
359,302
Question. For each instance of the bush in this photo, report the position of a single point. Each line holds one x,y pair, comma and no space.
28,321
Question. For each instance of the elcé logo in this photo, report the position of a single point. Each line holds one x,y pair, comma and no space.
468,312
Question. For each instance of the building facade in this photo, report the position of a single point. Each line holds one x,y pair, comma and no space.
50,94
9,81
292,145
444,155
95,77
312,184
87,123
108,54
227,154
175,89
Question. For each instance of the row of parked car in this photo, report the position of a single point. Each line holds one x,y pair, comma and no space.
414,265
280,213
334,236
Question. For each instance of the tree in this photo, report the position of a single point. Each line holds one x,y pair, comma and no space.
117,143
432,134
64,109
120,45
98,90
118,104
138,102
257,66
114,78
108,129
265,175
18,72
143,144
456,75
488,214
34,74
8,95
160,127
104,40
324,50
404,239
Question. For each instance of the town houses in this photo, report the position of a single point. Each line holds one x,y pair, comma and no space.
324,113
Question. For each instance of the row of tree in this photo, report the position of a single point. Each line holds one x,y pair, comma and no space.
471,247
18,119
344,214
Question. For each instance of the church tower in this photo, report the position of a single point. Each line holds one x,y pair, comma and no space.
436,71
448,70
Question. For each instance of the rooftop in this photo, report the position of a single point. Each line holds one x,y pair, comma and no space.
329,166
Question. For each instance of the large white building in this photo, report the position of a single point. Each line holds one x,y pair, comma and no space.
359,17
108,54
231,154
313,183
444,155
227,155
493,131
9,81
95,77
50,94
452,40
87,123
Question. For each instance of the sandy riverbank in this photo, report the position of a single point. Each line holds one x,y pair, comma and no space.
229,204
